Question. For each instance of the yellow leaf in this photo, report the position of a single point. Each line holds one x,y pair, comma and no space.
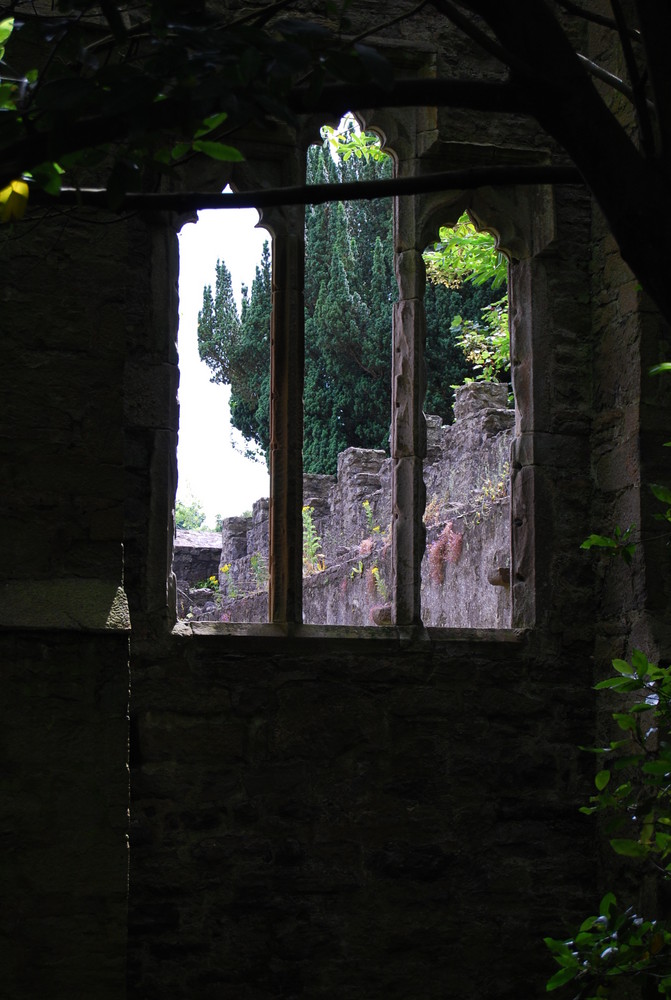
13,201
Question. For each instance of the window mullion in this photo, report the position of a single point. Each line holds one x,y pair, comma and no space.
408,436
286,423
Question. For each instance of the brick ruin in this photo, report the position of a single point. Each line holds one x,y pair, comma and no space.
466,475
323,812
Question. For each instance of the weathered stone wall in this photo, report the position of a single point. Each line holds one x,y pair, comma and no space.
352,821
64,815
376,818
466,478
64,657
196,558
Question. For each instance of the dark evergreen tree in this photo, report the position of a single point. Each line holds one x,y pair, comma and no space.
350,289
219,328
237,348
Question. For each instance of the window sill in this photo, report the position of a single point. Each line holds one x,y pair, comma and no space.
346,633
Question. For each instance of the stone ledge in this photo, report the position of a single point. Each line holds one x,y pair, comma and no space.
339,633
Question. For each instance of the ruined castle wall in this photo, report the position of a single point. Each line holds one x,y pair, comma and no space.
467,485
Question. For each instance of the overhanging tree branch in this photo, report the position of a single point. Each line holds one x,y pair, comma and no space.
599,73
319,194
637,83
655,24
589,15
25,154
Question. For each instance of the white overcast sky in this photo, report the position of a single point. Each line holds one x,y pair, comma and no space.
210,469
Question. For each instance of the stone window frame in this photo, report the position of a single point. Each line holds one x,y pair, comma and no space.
522,221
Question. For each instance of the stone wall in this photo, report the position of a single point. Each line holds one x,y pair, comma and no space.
326,822
379,817
466,569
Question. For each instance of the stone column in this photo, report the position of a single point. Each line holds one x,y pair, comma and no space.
286,418
408,430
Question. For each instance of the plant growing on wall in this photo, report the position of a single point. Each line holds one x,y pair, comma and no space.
375,584
618,946
446,549
633,794
313,558
259,570
231,586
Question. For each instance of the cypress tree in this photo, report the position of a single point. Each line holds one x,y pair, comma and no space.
219,328
349,289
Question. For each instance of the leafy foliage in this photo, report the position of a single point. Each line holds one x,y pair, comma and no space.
190,516
313,558
610,947
633,792
633,798
132,89
486,342
465,255
617,544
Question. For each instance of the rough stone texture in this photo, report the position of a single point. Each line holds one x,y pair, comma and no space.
196,559
466,477
310,824
64,815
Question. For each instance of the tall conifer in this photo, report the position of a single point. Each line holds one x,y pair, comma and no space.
350,289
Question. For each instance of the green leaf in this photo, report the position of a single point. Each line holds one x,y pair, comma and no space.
663,841
209,124
623,667
180,149
49,177
7,94
631,760
600,541
657,369
602,779
561,951
607,903
657,767
641,663
629,848
662,493
218,151
619,684
560,978
6,28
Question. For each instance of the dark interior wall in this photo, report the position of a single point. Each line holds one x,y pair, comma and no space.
354,819
632,417
317,818
63,619
64,806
